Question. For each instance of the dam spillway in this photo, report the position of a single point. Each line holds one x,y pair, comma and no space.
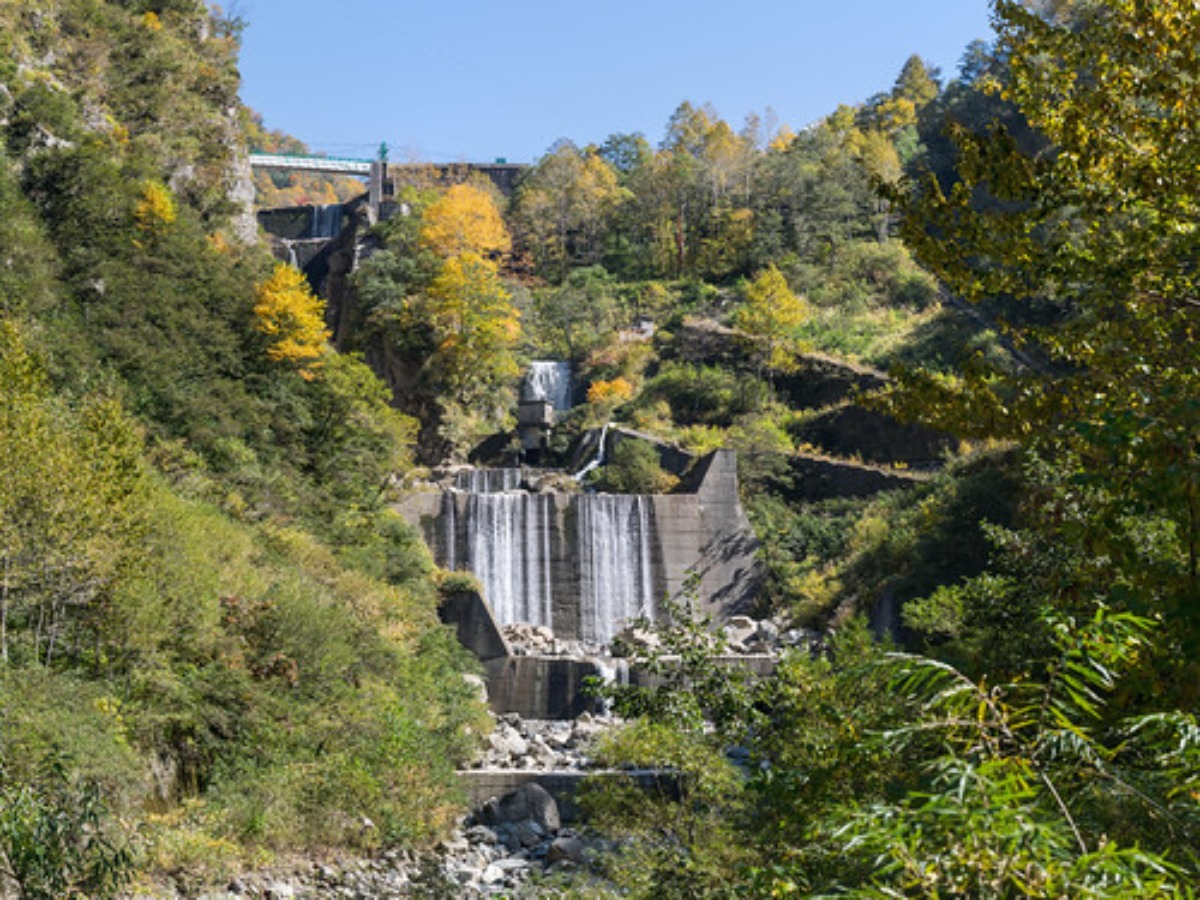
508,550
615,564
585,564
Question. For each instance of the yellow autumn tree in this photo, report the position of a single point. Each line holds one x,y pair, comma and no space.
613,392
290,314
769,317
474,325
155,210
464,220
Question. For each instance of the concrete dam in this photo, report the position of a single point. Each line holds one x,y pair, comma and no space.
585,564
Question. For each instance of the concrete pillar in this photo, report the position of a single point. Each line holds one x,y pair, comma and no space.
375,189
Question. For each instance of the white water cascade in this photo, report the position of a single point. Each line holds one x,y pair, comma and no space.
513,542
549,380
614,559
508,550
326,220
488,481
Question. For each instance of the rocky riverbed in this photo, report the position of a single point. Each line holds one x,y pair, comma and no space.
498,849
510,842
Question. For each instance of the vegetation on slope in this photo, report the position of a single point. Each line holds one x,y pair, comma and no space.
1046,745
211,625
207,612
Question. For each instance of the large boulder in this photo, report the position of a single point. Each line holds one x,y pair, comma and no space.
529,803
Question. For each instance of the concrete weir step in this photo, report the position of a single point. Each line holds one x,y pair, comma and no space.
483,784
540,687
553,687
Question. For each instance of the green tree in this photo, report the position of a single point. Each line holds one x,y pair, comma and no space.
579,313
1031,794
1103,226
356,441
812,196
70,495
56,837
625,152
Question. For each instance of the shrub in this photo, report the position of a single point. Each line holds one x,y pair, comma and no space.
633,468
56,837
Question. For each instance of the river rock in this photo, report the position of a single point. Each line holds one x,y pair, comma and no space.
529,803
768,633
565,847
739,630
634,641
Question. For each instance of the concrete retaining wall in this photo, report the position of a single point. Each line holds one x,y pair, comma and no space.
540,687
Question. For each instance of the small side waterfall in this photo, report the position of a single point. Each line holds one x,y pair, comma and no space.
598,459
614,558
450,530
508,549
549,380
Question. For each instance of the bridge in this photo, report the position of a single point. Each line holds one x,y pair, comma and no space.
339,165
382,175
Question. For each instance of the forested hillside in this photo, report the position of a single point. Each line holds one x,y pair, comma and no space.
973,292
210,628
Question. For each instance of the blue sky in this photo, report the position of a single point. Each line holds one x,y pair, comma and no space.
475,81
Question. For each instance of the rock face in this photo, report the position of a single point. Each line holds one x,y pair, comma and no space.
241,195
852,430
815,477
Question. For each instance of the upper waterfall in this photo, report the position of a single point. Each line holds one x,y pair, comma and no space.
326,220
548,380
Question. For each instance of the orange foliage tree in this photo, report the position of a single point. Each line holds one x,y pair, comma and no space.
613,392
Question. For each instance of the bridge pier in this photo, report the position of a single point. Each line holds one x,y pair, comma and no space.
375,188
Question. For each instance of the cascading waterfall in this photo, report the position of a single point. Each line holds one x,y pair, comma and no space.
506,537
487,481
614,556
508,550
450,530
326,220
549,380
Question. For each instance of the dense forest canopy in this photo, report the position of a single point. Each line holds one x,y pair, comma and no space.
215,627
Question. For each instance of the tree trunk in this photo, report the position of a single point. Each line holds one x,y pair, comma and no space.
4,611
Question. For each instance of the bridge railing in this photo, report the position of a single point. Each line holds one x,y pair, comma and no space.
310,163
